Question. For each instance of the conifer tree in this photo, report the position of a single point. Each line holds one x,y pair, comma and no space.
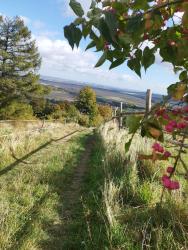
19,63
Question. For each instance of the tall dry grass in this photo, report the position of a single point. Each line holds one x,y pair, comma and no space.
131,191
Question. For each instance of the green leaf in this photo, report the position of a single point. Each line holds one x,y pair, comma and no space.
133,123
90,45
134,24
112,24
77,36
86,29
101,60
169,54
79,21
73,35
183,75
177,90
116,63
76,7
148,58
125,39
93,4
141,4
127,145
134,64
138,54
103,28
185,19
69,34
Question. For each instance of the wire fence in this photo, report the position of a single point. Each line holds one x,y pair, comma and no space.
41,126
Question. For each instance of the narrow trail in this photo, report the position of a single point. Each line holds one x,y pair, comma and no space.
71,211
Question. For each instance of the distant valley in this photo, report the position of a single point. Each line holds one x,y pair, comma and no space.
68,90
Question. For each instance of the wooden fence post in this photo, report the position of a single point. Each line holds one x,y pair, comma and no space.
115,111
121,117
148,100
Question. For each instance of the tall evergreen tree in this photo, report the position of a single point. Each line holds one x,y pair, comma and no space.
19,63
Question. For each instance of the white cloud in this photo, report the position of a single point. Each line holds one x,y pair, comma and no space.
38,24
60,61
25,19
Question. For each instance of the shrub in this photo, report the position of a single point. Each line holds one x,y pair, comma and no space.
105,111
16,110
96,121
39,105
83,120
69,110
86,101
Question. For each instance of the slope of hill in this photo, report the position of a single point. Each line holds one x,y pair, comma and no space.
68,90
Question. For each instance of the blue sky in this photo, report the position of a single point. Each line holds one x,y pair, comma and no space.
46,19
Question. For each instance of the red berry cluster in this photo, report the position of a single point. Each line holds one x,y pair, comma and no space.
158,148
176,119
167,182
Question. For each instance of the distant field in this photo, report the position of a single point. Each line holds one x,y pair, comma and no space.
62,90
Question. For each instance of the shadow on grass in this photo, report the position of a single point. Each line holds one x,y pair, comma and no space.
21,160
58,237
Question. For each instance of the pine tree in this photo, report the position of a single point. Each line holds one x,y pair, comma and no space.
19,63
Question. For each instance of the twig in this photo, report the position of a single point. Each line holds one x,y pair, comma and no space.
156,7
177,143
178,156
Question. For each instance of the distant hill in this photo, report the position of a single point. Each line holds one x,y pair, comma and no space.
68,90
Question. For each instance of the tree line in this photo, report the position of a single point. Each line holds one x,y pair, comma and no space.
21,94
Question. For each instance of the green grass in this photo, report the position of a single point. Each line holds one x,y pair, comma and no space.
31,194
122,203
119,207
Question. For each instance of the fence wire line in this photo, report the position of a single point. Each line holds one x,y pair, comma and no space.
27,131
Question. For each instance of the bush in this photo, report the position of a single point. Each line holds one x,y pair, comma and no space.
39,105
105,111
84,120
86,101
69,110
96,121
16,111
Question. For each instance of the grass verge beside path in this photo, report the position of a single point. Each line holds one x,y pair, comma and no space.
31,196
121,205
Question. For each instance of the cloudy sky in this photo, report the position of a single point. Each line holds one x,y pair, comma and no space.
46,19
